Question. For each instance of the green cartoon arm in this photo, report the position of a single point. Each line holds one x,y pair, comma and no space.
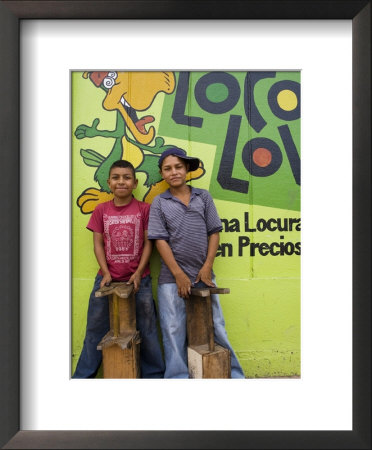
157,149
150,167
91,158
83,131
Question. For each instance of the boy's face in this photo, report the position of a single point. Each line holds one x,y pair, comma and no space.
122,182
174,170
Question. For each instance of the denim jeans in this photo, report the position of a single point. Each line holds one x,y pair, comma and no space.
172,316
98,324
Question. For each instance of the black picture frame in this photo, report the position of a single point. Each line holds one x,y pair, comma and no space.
11,12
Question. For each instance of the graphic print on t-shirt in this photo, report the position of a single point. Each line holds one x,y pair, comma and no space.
122,234
122,238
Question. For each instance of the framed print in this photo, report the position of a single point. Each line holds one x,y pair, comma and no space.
187,426
269,203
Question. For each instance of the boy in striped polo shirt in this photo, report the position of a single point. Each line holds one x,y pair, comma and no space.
185,224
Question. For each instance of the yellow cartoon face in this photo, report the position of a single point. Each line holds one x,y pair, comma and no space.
129,92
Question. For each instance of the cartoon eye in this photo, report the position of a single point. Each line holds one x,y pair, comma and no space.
113,75
108,82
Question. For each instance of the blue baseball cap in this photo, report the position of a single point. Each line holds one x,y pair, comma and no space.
175,151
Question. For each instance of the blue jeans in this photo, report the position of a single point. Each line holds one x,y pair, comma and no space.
98,324
172,316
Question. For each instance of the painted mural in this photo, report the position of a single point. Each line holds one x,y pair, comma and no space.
245,129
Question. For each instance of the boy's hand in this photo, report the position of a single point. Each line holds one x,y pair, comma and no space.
106,280
183,285
135,279
205,275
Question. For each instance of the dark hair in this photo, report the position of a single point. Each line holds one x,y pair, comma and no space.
123,163
191,163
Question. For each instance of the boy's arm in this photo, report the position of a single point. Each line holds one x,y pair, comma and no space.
182,280
145,257
205,273
99,251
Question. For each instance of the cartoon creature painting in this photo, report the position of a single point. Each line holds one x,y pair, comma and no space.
127,93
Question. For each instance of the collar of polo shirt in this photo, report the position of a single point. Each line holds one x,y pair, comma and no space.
167,193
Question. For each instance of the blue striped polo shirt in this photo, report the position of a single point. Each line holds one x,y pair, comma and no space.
185,228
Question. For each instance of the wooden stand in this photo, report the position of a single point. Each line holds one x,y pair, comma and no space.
206,359
121,345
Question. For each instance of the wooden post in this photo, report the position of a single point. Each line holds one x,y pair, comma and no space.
116,318
209,319
205,358
121,345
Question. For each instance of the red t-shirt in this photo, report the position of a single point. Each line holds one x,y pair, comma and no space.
123,230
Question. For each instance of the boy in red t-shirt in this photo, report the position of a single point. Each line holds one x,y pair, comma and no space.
123,251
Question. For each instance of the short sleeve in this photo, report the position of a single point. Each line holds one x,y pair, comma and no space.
95,222
212,219
157,226
145,212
